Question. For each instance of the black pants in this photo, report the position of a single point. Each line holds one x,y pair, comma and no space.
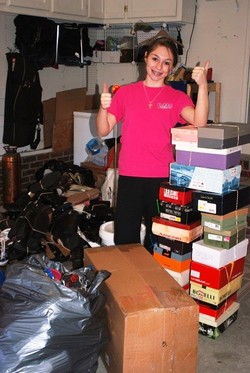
136,201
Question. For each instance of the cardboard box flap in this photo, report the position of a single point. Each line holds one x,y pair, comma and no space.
148,285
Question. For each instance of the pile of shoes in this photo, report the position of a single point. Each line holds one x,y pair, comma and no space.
46,220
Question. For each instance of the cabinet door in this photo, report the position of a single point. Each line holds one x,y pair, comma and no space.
96,9
106,9
74,7
32,4
151,9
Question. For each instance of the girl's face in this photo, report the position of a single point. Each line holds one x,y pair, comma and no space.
159,64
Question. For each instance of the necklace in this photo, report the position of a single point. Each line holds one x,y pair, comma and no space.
150,102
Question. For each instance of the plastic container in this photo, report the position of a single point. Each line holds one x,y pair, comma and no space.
106,233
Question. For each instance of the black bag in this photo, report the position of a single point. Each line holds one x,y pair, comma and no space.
23,106
36,40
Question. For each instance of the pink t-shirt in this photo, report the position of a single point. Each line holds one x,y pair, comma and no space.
146,148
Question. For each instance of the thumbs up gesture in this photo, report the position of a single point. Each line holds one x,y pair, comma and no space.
199,74
105,97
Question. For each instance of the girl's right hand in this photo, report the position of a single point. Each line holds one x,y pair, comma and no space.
106,97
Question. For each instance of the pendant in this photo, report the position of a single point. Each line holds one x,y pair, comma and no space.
150,105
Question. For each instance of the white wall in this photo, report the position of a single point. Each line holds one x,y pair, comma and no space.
221,34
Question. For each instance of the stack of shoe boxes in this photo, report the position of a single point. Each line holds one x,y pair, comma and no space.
210,165
176,228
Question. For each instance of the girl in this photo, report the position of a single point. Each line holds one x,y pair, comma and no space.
148,110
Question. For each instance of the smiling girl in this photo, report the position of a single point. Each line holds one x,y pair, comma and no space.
148,110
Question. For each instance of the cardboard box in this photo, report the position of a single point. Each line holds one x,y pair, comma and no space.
214,312
49,114
213,329
177,247
178,213
222,136
216,277
224,239
180,232
67,102
221,204
215,296
225,222
176,194
152,319
216,257
205,179
220,159
187,134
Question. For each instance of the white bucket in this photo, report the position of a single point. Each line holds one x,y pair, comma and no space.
106,233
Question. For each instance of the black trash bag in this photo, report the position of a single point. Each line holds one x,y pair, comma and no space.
49,325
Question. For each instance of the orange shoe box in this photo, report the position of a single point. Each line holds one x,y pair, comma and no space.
151,317
173,264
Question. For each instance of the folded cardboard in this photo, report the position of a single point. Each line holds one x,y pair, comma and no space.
175,194
216,257
216,277
205,179
222,136
221,204
214,312
178,213
187,134
176,231
214,296
170,254
151,318
220,159
214,329
181,277
225,222
177,247
224,239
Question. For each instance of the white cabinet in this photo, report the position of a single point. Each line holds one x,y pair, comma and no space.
32,4
72,7
107,9
126,11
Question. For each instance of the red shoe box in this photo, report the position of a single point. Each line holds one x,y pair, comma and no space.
175,194
216,278
213,329
214,312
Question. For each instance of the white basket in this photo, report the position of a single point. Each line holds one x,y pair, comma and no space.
142,35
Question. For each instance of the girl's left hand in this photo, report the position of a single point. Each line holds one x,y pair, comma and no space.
199,74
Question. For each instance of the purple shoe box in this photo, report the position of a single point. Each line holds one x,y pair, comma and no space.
220,159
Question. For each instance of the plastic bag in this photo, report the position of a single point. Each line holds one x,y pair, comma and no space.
46,326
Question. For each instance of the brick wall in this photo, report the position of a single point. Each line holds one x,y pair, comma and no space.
31,163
